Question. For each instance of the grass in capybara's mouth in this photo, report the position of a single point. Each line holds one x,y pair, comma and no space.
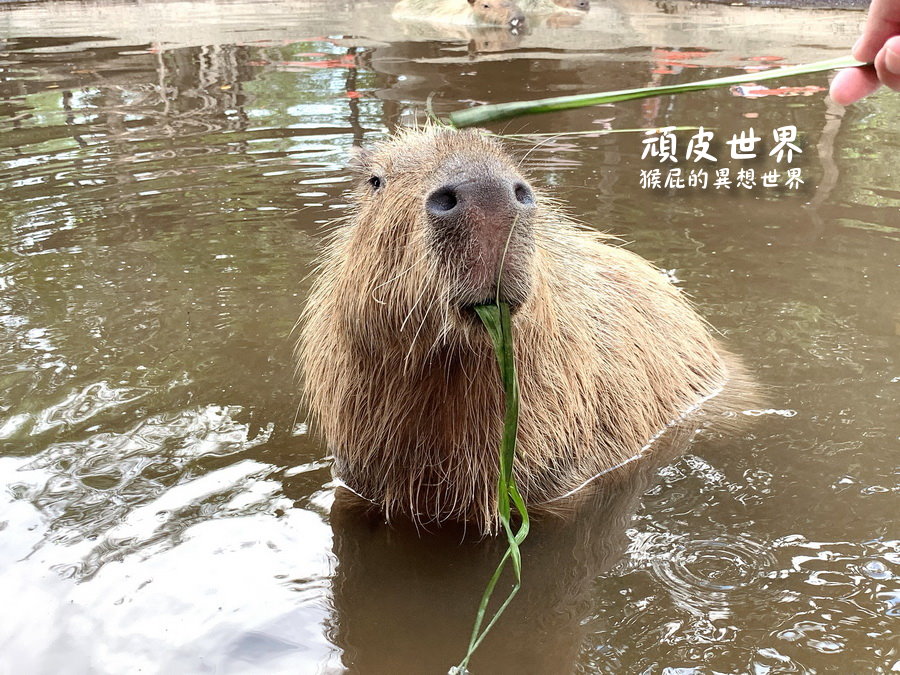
498,323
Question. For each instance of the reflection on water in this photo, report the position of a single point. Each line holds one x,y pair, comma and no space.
166,170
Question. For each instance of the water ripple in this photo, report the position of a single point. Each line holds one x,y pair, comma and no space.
114,486
706,576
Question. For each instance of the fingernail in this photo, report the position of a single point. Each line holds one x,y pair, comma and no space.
892,55
855,47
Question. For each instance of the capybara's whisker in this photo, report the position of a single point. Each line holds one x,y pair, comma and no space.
413,308
408,360
534,147
394,278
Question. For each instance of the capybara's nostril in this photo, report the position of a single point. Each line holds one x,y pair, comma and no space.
524,195
584,4
441,201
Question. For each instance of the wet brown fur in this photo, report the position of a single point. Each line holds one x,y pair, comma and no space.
404,385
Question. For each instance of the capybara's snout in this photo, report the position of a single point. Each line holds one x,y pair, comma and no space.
515,14
491,201
498,13
480,226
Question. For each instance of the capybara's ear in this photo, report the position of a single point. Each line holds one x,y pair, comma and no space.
471,2
360,159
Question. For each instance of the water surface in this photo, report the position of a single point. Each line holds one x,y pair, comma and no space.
166,173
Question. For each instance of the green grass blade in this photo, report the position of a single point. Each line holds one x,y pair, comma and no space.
489,113
477,636
498,322
591,132
500,609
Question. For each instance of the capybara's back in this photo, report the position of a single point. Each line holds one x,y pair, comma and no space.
462,12
551,6
400,375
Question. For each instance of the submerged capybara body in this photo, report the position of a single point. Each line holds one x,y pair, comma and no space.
462,12
400,375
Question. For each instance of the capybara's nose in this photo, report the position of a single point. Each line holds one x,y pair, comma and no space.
517,20
484,202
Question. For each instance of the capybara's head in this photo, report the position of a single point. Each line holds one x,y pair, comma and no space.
580,5
444,222
498,13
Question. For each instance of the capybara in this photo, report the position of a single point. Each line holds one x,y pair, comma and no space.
550,6
462,12
401,377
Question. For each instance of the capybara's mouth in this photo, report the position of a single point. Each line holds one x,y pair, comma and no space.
468,312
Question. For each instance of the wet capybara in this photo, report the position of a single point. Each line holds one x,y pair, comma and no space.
400,375
462,12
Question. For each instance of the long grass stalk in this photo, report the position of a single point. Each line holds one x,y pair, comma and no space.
591,132
490,113
496,319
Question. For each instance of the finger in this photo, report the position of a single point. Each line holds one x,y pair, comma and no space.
851,84
887,64
883,22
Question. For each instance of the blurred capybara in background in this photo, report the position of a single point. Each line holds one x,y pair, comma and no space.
462,12
550,6
400,374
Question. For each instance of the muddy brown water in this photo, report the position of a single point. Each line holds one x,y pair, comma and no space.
166,171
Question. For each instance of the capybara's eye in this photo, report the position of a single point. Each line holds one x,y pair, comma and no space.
375,182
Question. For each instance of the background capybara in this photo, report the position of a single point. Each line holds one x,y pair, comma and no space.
462,12
550,6
400,375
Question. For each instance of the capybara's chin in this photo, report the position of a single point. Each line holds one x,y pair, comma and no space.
514,288
401,380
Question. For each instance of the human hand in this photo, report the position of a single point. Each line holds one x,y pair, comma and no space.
879,45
